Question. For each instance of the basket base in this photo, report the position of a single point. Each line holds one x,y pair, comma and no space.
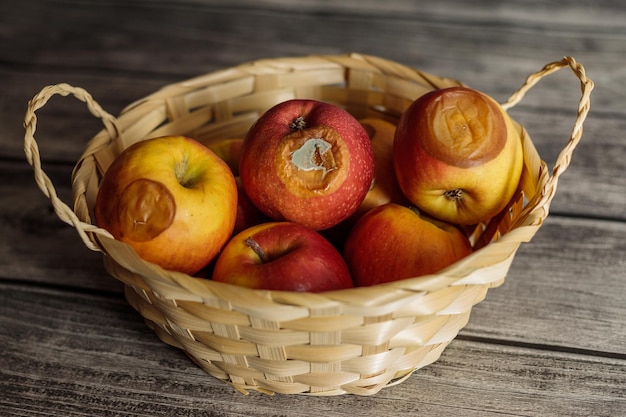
405,363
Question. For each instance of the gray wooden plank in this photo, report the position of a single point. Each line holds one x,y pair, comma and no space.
84,354
565,289
550,341
35,245
470,43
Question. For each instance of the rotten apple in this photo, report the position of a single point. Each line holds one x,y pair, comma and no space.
172,199
457,155
308,162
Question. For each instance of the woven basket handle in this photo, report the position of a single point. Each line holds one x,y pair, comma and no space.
586,86
31,149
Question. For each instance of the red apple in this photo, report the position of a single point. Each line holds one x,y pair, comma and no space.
457,155
172,199
282,256
392,242
248,214
307,162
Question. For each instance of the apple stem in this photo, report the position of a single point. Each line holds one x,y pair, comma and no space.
250,242
298,123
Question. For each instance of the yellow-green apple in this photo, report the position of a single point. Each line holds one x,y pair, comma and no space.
308,162
457,155
172,199
229,150
282,256
393,242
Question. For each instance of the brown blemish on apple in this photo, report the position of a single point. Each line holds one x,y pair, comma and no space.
145,209
465,128
313,160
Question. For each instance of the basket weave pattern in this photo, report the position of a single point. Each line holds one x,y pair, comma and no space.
350,341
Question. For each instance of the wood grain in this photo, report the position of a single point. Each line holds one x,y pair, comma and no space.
79,351
550,341
110,65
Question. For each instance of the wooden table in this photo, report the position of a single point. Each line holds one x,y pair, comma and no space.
550,342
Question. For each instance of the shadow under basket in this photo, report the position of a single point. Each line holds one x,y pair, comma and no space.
354,341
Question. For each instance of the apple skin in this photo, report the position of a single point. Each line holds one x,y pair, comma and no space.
229,150
384,188
393,242
457,155
172,199
282,256
248,214
308,162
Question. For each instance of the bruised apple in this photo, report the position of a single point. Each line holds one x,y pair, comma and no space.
308,162
172,199
282,256
457,155
393,242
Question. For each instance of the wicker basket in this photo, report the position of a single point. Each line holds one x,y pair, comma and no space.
350,341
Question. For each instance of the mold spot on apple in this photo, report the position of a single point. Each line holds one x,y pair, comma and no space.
315,154
313,160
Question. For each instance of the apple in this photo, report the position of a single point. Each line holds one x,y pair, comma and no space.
282,256
384,188
248,214
172,199
307,162
393,242
457,155
229,150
